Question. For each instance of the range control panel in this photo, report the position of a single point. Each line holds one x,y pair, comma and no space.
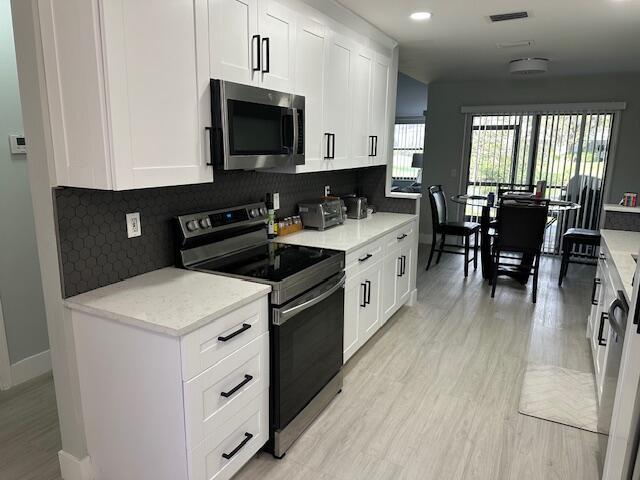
202,223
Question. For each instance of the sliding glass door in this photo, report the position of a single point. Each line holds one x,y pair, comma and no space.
567,150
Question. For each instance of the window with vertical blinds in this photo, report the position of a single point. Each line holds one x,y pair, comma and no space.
408,138
567,149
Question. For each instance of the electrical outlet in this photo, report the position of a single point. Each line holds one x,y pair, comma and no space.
327,190
134,229
276,201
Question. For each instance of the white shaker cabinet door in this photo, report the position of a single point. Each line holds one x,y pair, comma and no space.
152,72
379,102
312,44
277,25
234,40
361,140
353,304
390,273
370,315
337,106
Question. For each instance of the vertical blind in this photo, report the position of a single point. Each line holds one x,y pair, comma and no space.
567,149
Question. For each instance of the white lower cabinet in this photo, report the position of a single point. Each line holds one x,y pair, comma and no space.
163,407
375,291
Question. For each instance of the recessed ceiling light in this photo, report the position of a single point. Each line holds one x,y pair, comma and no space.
420,16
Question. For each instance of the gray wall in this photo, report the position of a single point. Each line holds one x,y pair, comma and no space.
411,100
445,123
20,283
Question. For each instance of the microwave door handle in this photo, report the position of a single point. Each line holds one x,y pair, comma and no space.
284,315
296,131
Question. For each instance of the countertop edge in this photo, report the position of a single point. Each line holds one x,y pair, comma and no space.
612,207
628,288
151,326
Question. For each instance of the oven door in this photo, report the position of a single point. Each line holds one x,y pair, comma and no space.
307,336
256,128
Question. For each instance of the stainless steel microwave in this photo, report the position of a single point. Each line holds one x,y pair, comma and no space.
254,128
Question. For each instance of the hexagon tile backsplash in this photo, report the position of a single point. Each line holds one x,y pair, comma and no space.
95,250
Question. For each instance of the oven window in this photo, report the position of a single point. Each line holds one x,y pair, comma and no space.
307,354
255,129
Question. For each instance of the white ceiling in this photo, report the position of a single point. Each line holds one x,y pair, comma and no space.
459,41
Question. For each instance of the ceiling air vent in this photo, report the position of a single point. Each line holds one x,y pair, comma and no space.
502,17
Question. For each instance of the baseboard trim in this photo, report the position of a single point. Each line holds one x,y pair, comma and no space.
413,298
30,367
72,468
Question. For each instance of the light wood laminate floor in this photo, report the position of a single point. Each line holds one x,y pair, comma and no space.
434,395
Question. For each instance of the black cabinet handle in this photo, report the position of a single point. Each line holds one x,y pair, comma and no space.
333,145
265,40
244,328
328,153
247,437
400,266
375,148
402,237
601,341
247,379
365,258
255,50
368,289
211,145
371,154
596,282
404,264
364,295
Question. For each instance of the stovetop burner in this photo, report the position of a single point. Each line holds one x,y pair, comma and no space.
273,262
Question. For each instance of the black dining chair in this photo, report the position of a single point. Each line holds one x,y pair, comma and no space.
576,237
521,226
441,226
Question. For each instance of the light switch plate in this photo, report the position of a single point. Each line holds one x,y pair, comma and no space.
134,229
327,190
276,201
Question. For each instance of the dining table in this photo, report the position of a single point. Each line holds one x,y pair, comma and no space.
486,206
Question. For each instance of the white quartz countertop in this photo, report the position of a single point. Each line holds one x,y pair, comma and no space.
613,207
172,301
352,234
621,245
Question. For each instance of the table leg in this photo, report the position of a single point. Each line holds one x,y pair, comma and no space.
485,243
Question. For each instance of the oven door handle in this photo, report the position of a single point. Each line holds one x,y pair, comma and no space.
281,316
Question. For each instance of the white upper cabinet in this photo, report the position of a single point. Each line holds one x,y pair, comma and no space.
128,85
379,126
312,46
234,42
253,42
361,139
337,102
124,92
277,46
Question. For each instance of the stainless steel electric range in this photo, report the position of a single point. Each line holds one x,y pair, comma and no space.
306,307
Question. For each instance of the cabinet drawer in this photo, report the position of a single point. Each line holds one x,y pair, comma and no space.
222,391
364,257
220,456
210,344
401,236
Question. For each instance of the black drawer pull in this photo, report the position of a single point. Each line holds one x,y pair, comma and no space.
247,437
247,379
602,341
402,237
245,327
365,258
368,300
596,282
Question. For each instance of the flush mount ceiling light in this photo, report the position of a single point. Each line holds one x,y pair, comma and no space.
528,66
420,16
